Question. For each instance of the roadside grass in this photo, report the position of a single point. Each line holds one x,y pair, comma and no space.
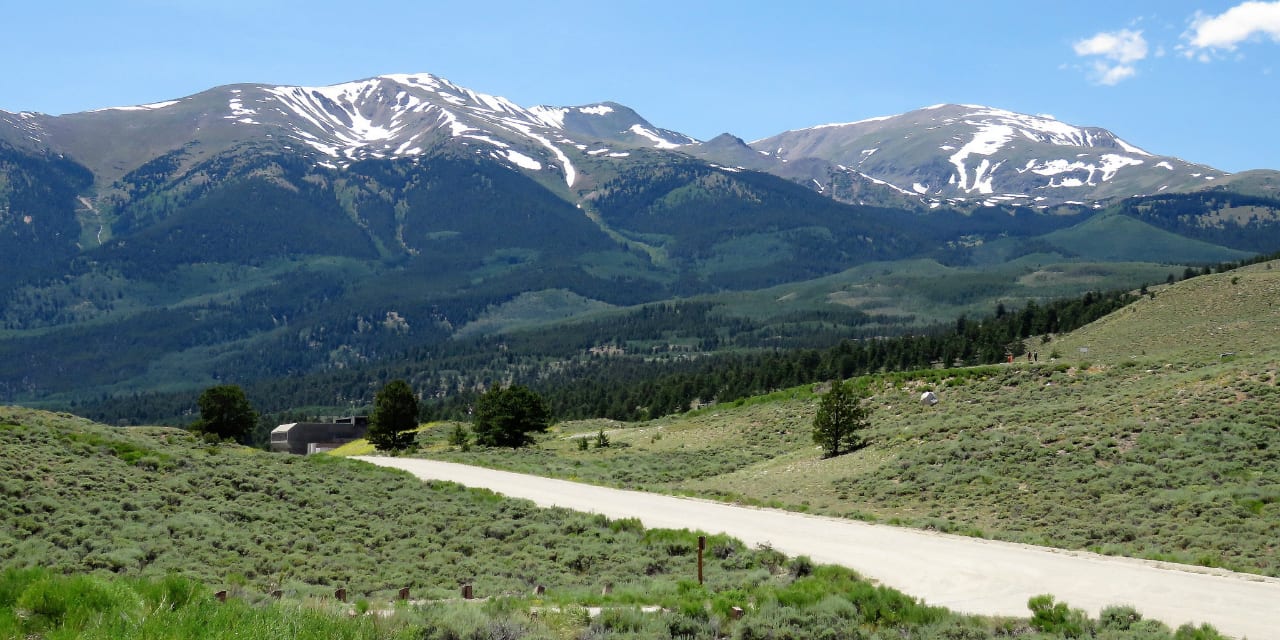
126,533
1162,441
796,600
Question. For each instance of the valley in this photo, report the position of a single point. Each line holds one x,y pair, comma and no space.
1096,321
262,234
1134,435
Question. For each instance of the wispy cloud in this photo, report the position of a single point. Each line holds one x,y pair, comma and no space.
1113,53
1224,32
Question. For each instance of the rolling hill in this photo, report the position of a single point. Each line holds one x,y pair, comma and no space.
254,233
126,533
1149,433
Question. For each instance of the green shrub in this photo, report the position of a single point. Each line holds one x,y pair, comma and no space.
71,602
14,581
1202,632
1051,617
1118,618
801,566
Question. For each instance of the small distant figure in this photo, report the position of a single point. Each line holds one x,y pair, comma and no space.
1035,356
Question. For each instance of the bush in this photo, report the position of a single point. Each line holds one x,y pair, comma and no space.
1051,617
459,437
801,566
225,413
1202,632
507,417
1118,618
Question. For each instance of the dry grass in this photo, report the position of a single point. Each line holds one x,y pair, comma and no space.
1153,444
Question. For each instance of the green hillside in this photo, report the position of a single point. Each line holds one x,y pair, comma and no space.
1161,441
127,533
1116,237
1195,322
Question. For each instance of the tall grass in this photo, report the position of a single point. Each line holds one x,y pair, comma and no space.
830,603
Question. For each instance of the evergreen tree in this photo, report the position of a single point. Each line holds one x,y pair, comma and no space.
508,417
841,416
225,413
395,417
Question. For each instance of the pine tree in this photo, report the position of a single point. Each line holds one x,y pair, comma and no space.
395,417
841,416
507,417
225,413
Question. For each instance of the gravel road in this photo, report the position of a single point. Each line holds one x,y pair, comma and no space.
964,574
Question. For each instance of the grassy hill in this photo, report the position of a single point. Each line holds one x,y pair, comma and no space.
1161,441
126,533
1109,237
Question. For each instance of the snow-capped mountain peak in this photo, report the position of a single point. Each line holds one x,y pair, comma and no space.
967,152
387,116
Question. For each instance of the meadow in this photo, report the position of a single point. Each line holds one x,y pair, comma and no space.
128,532
1152,433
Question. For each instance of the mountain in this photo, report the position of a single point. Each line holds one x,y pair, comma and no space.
973,154
259,231
392,116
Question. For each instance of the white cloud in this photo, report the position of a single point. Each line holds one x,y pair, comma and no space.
1123,46
1118,50
1242,22
1111,75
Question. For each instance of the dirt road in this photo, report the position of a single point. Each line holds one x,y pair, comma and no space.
963,574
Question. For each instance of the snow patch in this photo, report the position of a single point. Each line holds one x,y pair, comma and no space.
1165,164
883,183
919,188
598,110
550,117
497,143
521,160
141,107
657,140
849,124
988,140
1130,148
1111,163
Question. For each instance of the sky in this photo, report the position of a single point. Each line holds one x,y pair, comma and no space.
1195,79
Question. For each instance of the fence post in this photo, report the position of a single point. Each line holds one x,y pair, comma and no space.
702,546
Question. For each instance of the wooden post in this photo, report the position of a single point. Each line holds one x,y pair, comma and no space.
221,595
404,593
702,546
341,594
608,589
466,592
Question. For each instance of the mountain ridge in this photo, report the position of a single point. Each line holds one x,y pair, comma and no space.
945,154
252,231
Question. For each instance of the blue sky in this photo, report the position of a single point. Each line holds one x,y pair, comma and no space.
1197,79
